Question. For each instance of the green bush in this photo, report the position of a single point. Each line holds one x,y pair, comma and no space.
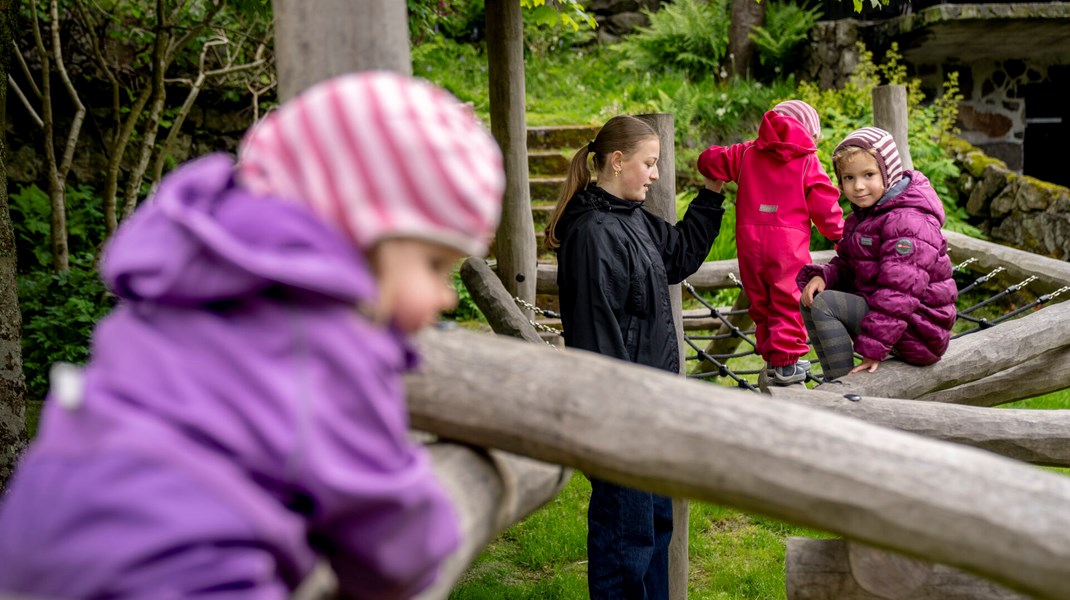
59,311
688,36
787,27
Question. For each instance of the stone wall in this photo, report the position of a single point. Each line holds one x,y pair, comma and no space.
1013,209
619,17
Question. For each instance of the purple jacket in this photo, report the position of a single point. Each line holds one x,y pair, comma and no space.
238,418
894,255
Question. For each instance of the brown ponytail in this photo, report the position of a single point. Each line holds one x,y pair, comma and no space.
624,133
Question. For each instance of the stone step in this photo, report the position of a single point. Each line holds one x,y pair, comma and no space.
548,162
545,189
560,137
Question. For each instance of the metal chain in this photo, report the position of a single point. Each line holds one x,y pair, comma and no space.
535,309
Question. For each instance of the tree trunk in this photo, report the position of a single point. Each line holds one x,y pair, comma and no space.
746,14
514,244
934,500
323,39
12,383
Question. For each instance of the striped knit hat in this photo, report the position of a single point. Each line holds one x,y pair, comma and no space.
888,160
803,113
380,155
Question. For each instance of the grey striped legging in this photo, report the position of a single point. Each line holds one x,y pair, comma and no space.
832,323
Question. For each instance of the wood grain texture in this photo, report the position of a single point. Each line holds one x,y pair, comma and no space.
830,570
651,430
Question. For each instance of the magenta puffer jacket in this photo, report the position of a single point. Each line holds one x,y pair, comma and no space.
894,255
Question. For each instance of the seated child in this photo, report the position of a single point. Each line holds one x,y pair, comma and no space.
782,189
242,411
890,288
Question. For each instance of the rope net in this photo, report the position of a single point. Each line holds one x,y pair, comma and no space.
720,347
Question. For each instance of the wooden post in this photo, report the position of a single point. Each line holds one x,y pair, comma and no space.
890,114
515,239
661,200
317,40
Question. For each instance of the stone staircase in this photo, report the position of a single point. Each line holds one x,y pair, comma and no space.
549,151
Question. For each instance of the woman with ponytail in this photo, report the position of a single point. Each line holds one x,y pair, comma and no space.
615,264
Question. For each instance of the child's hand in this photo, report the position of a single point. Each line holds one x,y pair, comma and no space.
867,364
713,184
815,286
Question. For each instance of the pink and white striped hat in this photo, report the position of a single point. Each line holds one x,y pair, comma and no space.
888,160
380,155
803,113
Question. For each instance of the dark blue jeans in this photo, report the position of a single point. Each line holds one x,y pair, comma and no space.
628,533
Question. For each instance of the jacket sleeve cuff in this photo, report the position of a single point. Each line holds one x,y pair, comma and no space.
709,198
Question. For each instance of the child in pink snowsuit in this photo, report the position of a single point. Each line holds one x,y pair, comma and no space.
782,189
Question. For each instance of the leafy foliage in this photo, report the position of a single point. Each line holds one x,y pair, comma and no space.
787,27
689,36
59,311
568,13
844,110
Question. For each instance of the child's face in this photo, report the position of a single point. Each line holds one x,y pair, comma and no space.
638,172
861,180
414,282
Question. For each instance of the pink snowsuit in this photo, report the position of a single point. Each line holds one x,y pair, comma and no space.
782,188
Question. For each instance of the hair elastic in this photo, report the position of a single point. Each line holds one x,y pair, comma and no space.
590,146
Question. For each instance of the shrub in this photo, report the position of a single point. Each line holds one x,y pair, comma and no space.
59,311
787,27
689,36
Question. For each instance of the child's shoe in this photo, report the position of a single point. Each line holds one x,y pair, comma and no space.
788,374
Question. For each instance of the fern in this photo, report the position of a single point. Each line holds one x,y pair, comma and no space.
787,25
690,36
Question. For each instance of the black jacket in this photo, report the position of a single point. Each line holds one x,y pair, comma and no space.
615,264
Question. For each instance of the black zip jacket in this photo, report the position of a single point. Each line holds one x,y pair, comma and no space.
615,264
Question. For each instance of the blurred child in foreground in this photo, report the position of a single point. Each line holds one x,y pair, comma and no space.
242,411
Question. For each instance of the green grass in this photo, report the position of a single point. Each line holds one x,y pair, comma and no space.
732,555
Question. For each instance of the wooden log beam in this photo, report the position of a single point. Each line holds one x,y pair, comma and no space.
491,490
1040,437
832,570
1048,372
644,428
970,358
495,301
1051,273
712,275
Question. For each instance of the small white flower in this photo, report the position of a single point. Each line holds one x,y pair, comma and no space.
720,112
723,74
66,385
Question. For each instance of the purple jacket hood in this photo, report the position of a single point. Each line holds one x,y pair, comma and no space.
238,367
206,240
